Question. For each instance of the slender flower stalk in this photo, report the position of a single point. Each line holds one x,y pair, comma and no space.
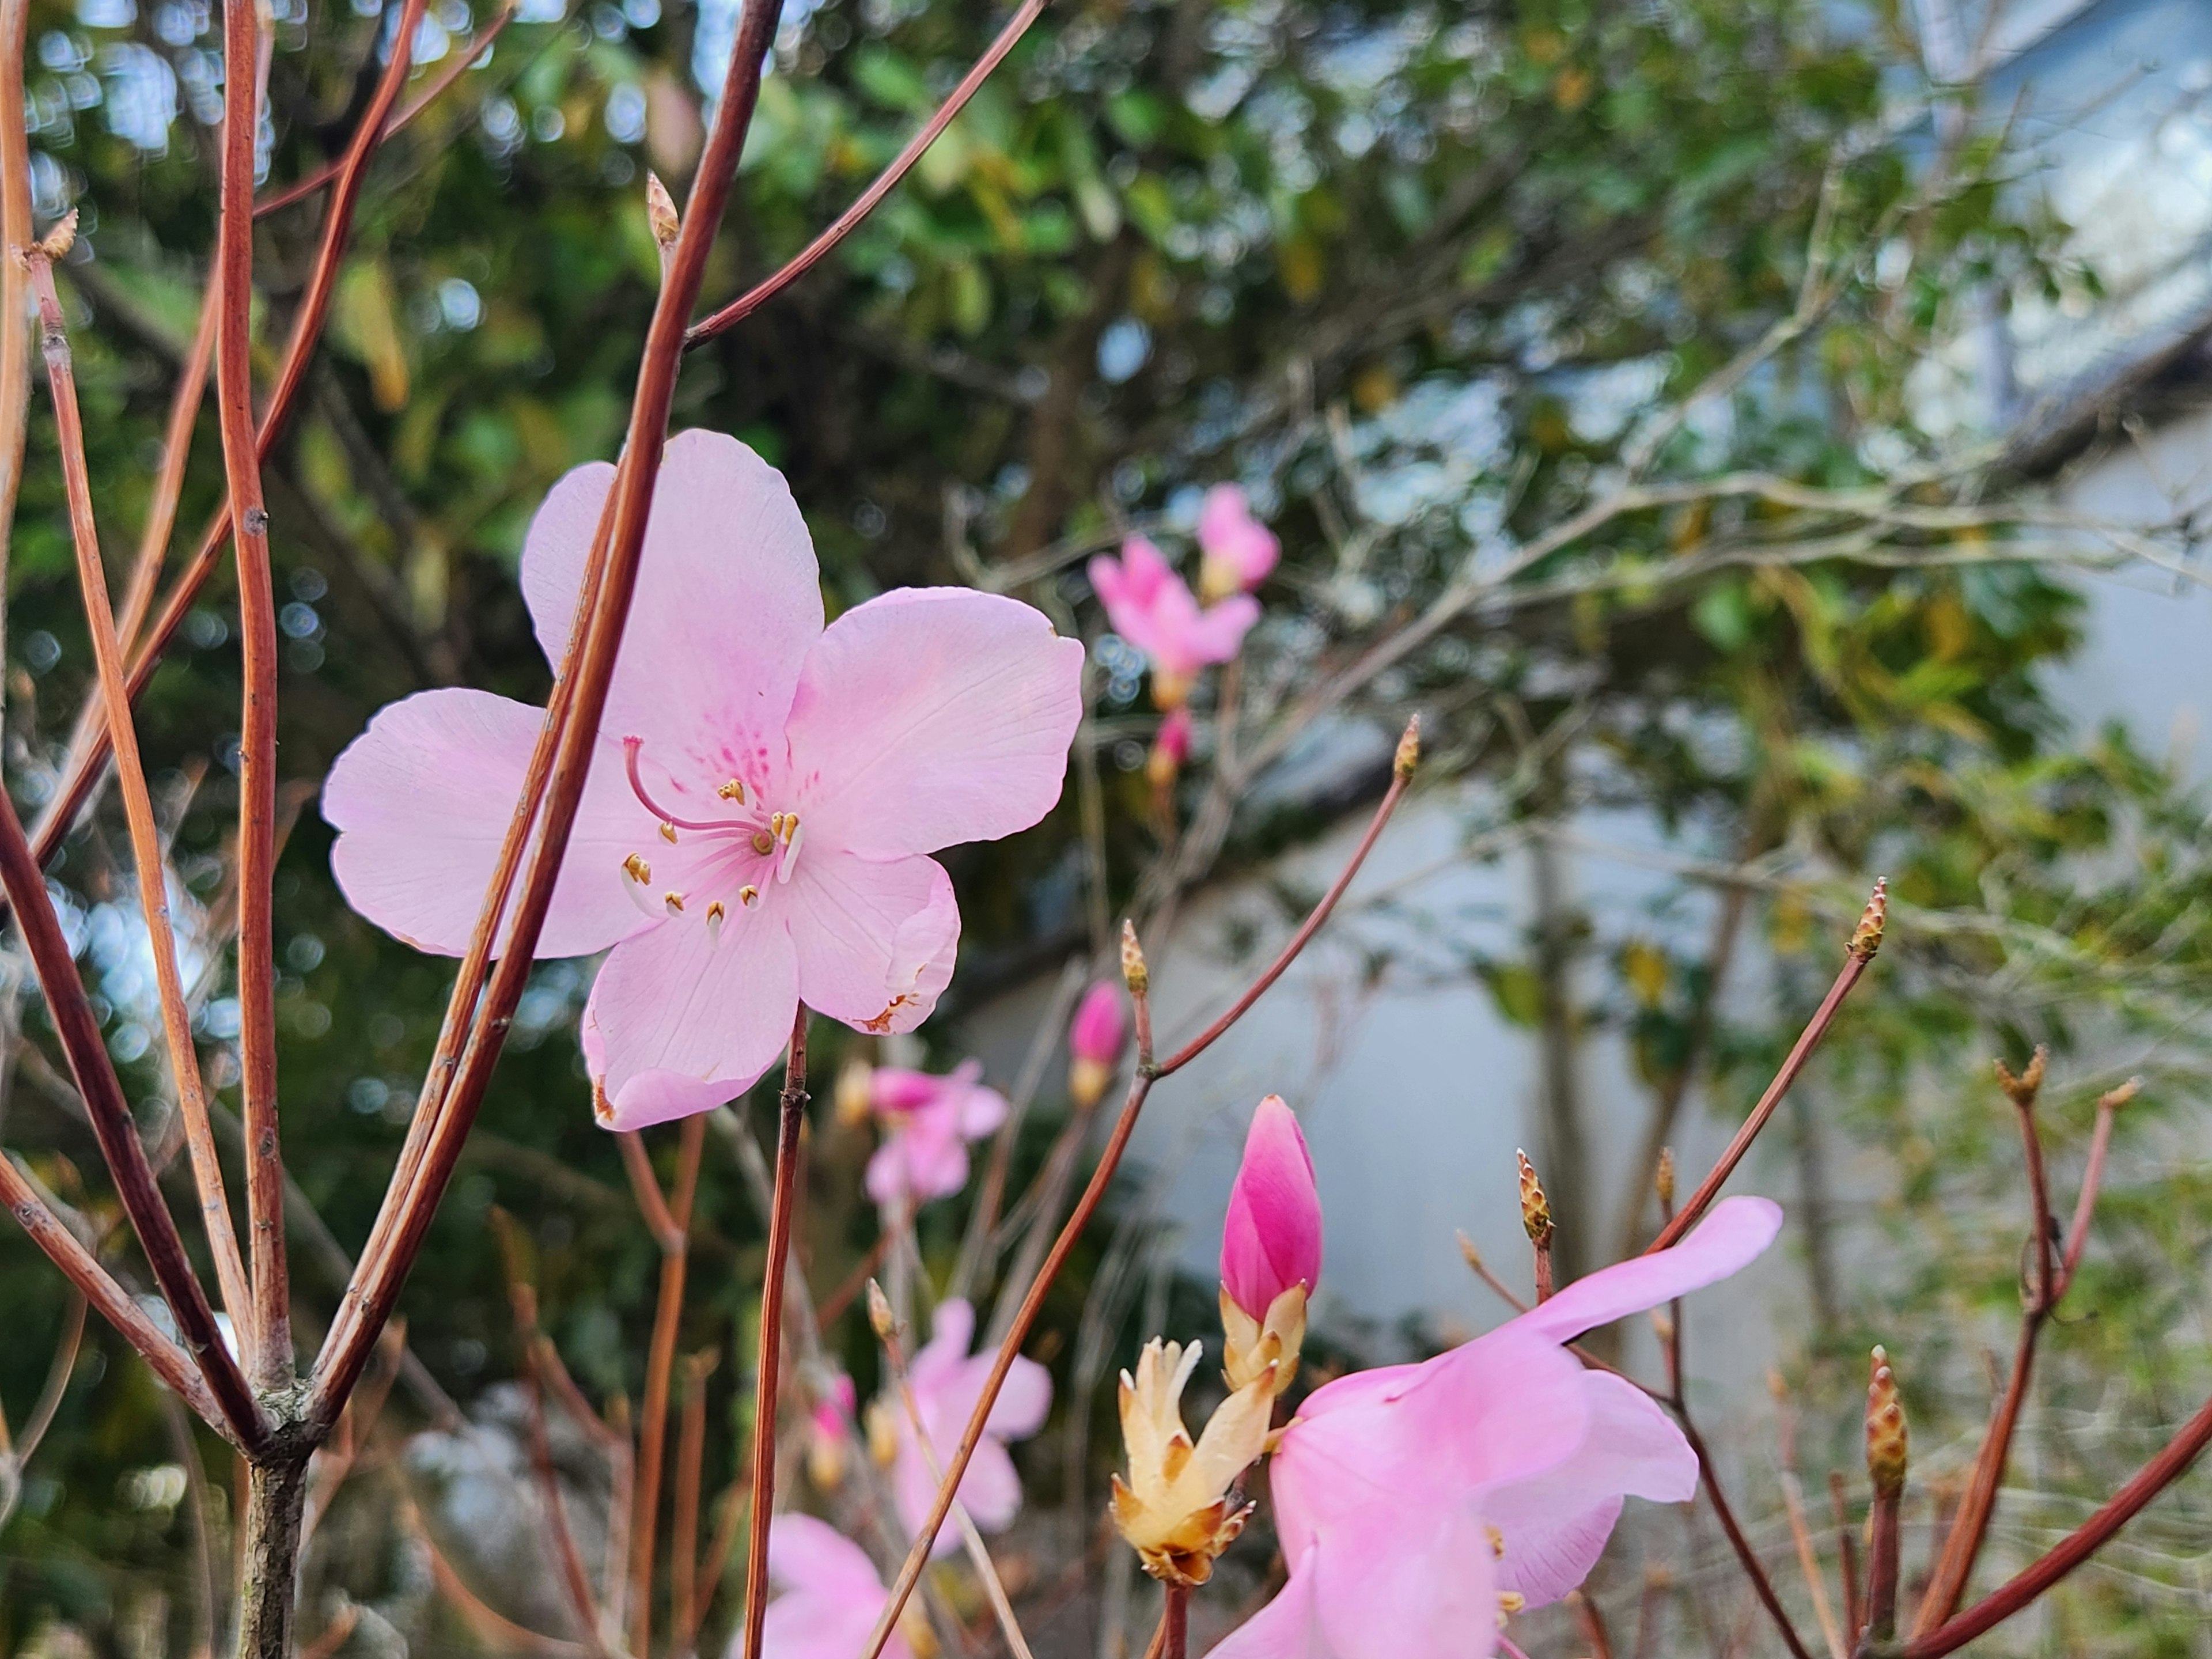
1886,1446
670,1221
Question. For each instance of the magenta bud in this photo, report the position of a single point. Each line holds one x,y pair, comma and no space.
1271,1237
1100,1025
893,1090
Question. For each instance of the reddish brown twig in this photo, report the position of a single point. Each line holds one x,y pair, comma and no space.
1135,972
2077,1547
1174,1622
130,779
846,223
2093,1178
791,1109
1480,1268
92,1281
169,483
1593,1623
1885,1447
268,1339
15,233
1847,1557
75,1023
493,1628
1866,939
1962,1544
683,1538
464,58
1754,1568
334,1635
588,663
675,1240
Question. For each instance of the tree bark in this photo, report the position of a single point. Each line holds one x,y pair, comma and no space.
269,1572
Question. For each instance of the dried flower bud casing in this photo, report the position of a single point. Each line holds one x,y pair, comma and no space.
1865,938
1885,1437
1535,1208
1409,750
1177,1509
1663,1178
660,210
1252,1348
1135,974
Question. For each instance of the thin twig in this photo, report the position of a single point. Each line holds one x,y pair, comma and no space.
146,852
684,1540
267,1340
1101,1176
59,1372
1865,940
14,232
846,223
2093,1178
661,1365
1174,1622
768,1373
979,1555
465,59
1847,1555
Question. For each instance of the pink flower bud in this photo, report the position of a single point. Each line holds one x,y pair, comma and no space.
1271,1238
1236,548
1094,1042
1170,749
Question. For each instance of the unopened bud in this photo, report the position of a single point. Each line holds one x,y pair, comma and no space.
1473,1256
1865,938
855,1092
879,1312
1135,974
2022,1090
660,210
55,243
1663,1178
1535,1208
2112,1099
1409,749
1885,1430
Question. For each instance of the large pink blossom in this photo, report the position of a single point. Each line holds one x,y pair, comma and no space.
764,794
928,1121
832,1595
1271,1237
1236,551
1410,1498
1151,607
947,1383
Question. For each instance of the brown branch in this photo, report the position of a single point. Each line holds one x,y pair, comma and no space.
146,850
1135,972
1847,1557
1866,939
684,1540
1946,1584
2093,1178
660,1366
846,223
267,1337
169,483
464,57
97,1286
569,737
1174,1622
14,232
75,1023
2077,1547
791,1110
1753,1569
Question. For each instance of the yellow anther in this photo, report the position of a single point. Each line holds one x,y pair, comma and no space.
748,894
668,833
715,911
637,869
790,827
1497,1540
763,842
674,902
1511,1601
733,791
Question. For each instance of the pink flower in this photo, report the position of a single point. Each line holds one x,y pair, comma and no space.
1238,550
765,795
929,1122
1271,1238
1094,1044
1411,1498
832,1595
828,1431
947,1383
1170,748
1150,606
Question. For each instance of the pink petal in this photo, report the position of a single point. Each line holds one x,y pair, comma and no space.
677,1025
1100,1025
1219,633
875,941
915,1162
1401,1582
893,1089
727,601
1271,1238
1286,1628
931,716
1556,1526
805,1553
980,1110
421,799
1228,532
1735,1231
1023,1403
832,1595
950,1332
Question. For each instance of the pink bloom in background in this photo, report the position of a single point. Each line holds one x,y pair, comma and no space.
1170,748
828,1431
928,1122
947,1383
1094,1038
1150,607
1236,551
764,799
832,1595
1409,1498
1271,1237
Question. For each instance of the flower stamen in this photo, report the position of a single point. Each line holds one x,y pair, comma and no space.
632,748
674,901
714,914
748,895
733,791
